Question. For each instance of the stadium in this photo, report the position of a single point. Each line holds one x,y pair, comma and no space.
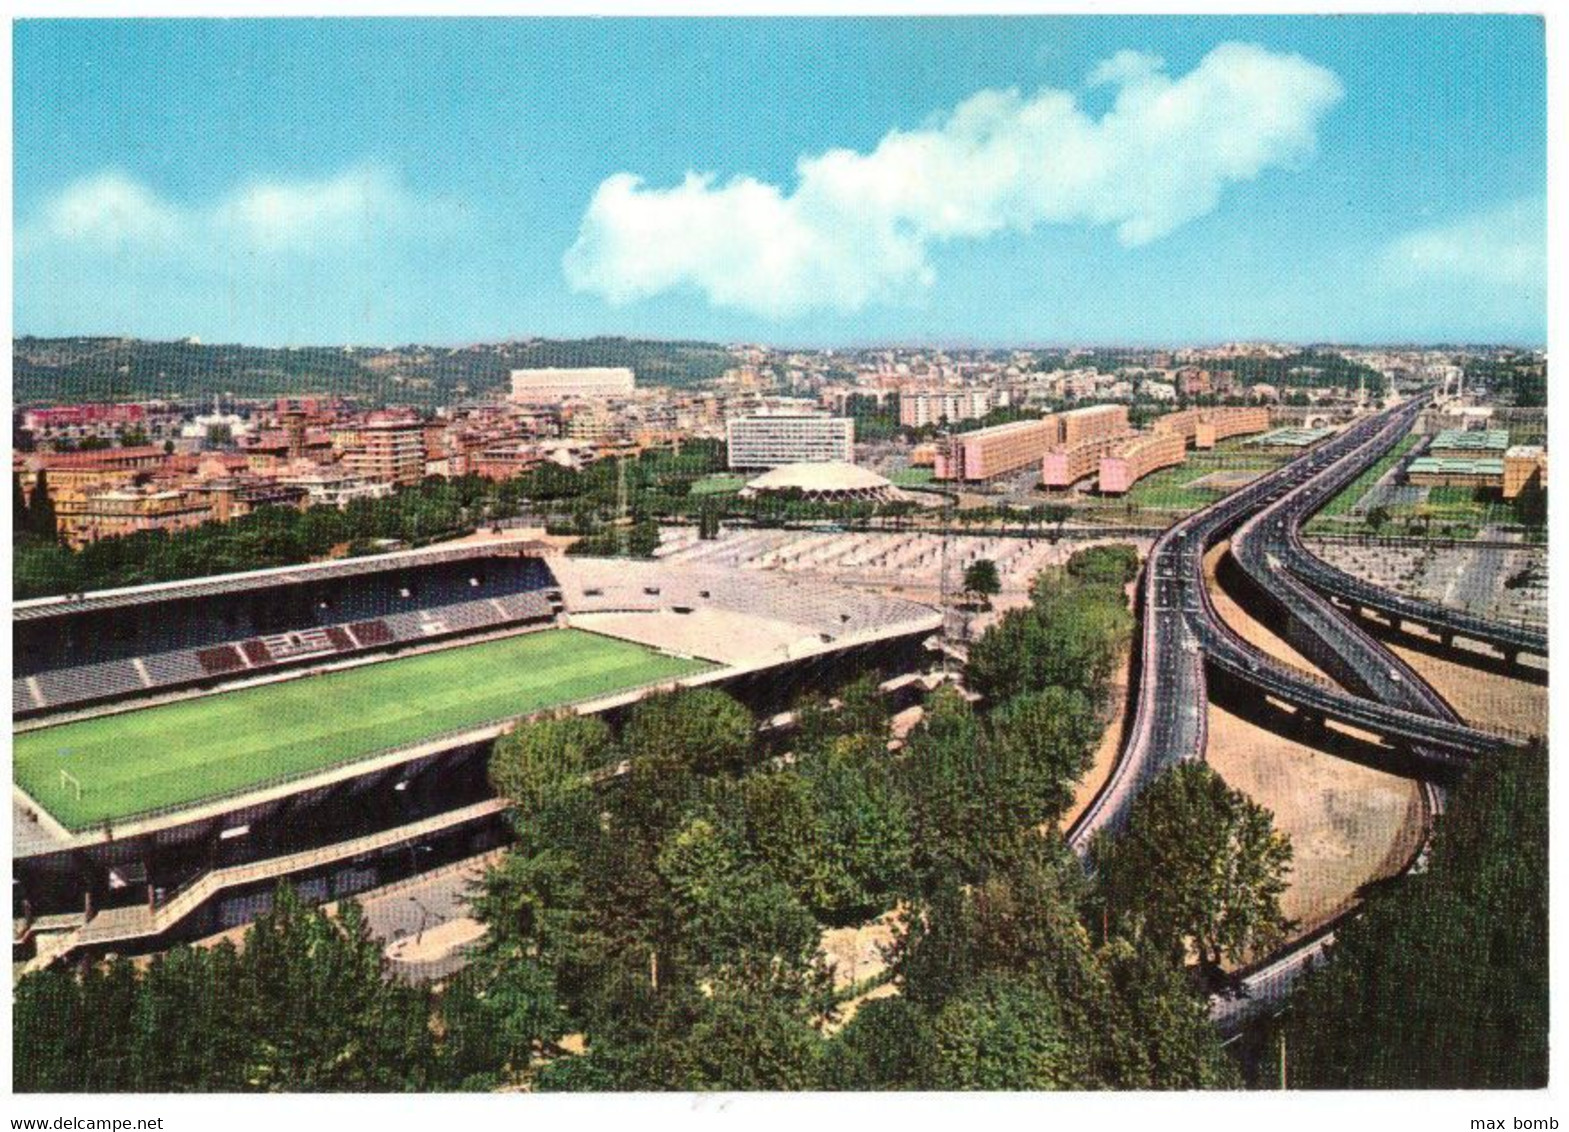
181,747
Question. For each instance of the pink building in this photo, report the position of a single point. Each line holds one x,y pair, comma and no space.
1138,457
991,452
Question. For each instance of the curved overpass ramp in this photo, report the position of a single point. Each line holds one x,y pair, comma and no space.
1181,634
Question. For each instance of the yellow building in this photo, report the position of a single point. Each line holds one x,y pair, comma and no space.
1522,464
119,511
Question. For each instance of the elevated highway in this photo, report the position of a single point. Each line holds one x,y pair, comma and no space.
1183,643
1512,640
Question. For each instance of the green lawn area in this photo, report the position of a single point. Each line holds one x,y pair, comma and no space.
720,483
1357,488
1169,489
911,477
182,753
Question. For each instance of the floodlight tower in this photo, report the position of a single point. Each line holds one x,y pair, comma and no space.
621,504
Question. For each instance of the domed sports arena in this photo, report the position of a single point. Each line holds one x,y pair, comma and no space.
830,482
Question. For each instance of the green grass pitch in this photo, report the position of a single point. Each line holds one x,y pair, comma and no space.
214,746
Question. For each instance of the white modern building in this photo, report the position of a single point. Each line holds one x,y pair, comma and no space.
769,440
551,386
334,486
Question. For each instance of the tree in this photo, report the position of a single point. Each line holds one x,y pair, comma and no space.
40,513
1041,744
319,1011
958,827
1377,517
981,578
19,518
1161,1036
1004,1032
304,1005
740,924
1442,980
498,1015
1200,867
700,728
1071,636
1004,990
1113,564
885,1046
1056,514
542,765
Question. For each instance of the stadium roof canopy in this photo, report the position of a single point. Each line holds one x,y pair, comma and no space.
67,604
833,479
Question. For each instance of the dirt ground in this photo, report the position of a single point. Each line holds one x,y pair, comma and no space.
1348,824
436,943
857,954
1105,757
1252,631
1486,699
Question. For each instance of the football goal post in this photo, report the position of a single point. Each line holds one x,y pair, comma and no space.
71,783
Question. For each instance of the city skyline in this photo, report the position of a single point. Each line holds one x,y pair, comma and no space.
820,183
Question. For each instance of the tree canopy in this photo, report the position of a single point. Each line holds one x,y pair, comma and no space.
1199,867
1441,980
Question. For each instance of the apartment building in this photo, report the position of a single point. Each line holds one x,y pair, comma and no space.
1522,464
118,511
391,451
1138,457
1215,425
1093,422
921,407
991,452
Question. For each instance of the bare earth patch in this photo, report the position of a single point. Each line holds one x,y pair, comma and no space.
1105,757
1249,629
437,942
1486,699
856,954
1348,824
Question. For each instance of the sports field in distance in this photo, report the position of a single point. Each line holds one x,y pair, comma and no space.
187,752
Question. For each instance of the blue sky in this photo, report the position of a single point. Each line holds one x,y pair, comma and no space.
985,181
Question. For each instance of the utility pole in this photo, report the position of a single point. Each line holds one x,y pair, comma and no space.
942,579
1282,1060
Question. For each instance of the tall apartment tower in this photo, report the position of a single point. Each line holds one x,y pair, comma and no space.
389,452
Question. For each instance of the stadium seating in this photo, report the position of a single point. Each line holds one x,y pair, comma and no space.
219,660
83,658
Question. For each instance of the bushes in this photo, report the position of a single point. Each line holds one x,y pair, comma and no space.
1115,564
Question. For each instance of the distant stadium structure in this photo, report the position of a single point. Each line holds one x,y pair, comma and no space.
556,384
832,481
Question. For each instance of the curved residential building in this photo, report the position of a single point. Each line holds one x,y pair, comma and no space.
1139,457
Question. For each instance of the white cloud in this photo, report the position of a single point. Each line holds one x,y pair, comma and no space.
858,228
109,208
1500,248
261,218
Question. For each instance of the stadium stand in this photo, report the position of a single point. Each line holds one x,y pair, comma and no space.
159,638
